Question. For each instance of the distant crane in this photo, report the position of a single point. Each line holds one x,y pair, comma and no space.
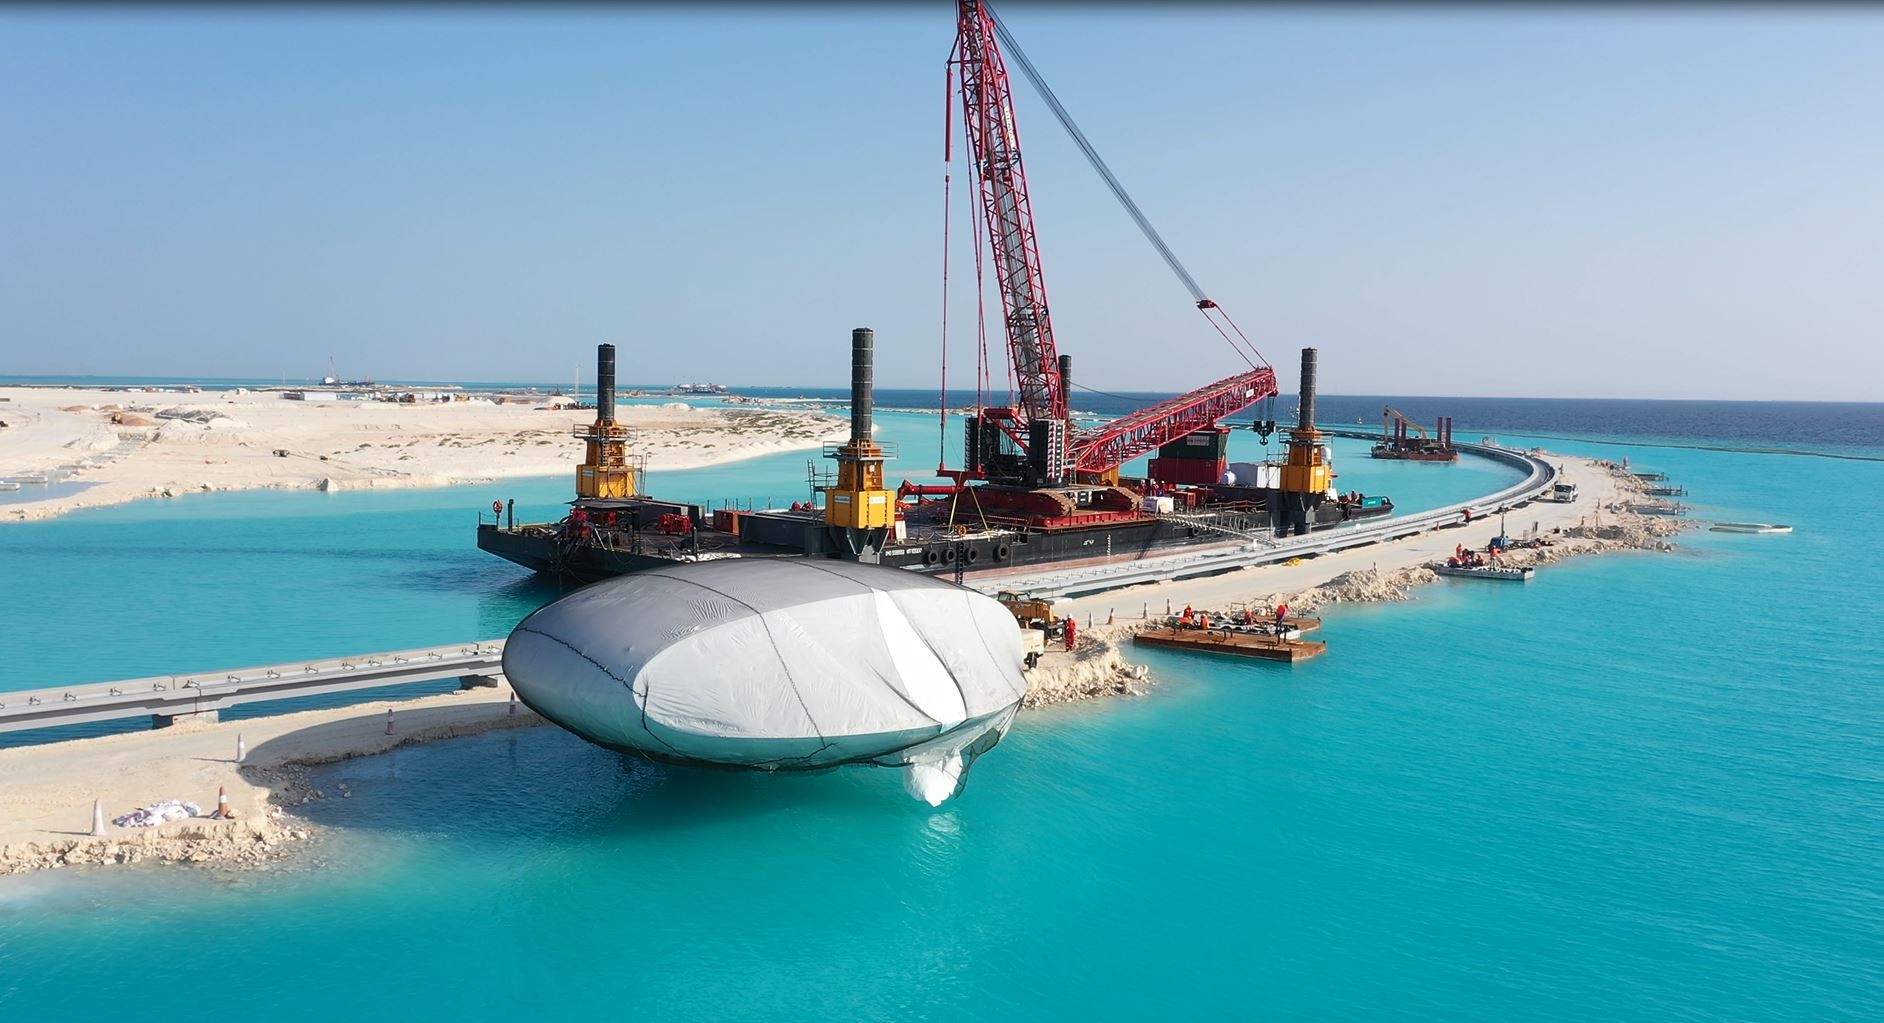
1396,442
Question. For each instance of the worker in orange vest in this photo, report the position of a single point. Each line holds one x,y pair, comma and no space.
1072,630
1282,612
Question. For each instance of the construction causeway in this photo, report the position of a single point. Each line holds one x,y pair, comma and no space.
164,699
1086,579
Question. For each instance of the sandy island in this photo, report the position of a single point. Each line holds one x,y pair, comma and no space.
46,800
129,445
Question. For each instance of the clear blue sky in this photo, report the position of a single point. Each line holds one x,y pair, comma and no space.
1684,202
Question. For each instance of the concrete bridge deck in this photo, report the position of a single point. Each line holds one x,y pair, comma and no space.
164,698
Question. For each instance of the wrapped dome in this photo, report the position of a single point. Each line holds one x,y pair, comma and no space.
778,664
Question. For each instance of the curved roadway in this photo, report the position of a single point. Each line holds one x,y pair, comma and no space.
1074,582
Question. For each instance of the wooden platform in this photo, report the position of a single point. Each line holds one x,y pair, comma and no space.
1263,622
1241,644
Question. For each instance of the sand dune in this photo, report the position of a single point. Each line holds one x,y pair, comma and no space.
137,445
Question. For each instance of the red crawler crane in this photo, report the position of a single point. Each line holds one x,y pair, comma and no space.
1032,444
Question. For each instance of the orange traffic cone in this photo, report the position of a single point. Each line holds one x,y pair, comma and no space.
512,712
391,729
223,812
242,748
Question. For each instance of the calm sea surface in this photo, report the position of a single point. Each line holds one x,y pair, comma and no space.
1641,787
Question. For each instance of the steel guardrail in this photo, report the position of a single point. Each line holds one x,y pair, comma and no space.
160,696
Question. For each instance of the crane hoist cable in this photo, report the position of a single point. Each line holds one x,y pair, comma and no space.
1109,394
948,191
1204,303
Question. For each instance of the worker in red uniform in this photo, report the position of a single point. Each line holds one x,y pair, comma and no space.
1072,633
1282,613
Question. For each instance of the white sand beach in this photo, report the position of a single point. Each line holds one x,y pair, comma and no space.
46,799
134,445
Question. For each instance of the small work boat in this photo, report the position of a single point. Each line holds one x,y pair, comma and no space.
32,477
1749,527
8,485
1516,575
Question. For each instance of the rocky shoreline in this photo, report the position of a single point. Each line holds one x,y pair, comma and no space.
1093,669
1098,668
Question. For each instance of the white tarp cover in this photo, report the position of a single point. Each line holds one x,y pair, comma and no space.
778,664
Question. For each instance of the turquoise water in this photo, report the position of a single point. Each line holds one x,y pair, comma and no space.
235,579
1641,787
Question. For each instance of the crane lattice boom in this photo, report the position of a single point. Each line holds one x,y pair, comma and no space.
994,141
994,146
1392,414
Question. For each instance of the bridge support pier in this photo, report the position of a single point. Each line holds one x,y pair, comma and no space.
201,717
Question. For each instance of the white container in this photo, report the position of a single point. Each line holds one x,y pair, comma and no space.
1160,505
1261,475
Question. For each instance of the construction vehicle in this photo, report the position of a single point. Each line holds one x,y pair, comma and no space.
1398,440
1028,464
1031,487
1031,612
1038,623
1028,449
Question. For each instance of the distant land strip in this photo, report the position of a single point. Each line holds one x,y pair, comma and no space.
1704,447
